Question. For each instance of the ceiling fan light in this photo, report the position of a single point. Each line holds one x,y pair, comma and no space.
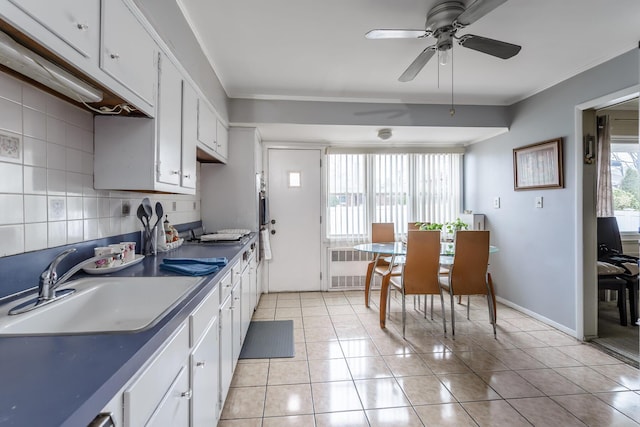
443,57
385,134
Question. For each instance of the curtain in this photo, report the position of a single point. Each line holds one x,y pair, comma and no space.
390,187
604,196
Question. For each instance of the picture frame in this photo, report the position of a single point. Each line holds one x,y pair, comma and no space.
538,166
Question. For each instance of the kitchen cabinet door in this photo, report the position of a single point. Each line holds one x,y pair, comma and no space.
205,359
189,135
75,22
173,411
236,302
247,310
226,346
207,124
128,53
169,116
222,141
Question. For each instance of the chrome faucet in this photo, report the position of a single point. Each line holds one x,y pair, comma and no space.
49,282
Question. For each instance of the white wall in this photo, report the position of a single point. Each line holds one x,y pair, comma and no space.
536,267
46,186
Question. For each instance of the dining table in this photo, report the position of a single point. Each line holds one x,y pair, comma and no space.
394,253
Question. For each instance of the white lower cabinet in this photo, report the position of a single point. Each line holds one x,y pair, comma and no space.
146,395
226,346
236,310
173,411
205,358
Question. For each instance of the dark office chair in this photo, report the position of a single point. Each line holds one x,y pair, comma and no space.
610,251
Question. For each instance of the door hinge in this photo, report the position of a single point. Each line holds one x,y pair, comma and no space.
321,275
320,219
320,162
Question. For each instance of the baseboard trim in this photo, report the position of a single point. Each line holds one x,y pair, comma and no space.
539,317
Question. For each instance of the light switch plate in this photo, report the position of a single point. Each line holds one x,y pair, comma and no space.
496,202
538,201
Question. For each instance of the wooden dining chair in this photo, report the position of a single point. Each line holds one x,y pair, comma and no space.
381,232
420,272
468,274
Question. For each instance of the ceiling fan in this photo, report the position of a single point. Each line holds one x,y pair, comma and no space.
443,22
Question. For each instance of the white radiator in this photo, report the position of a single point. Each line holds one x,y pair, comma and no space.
348,268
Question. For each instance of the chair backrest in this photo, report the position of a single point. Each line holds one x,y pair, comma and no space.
609,233
422,264
470,262
382,232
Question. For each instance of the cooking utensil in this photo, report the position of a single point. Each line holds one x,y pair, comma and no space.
141,215
146,203
159,213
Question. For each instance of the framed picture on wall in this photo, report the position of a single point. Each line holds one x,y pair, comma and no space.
538,165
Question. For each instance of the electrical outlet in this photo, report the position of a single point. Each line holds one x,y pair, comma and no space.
194,206
126,208
173,206
538,203
496,202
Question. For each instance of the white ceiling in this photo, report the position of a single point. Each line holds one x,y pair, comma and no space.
316,50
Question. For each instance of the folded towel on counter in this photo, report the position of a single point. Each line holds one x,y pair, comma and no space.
221,261
190,269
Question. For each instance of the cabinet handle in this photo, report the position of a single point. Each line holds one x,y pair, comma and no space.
114,56
82,27
188,176
200,364
186,394
176,172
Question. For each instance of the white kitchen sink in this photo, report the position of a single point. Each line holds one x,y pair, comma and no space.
100,304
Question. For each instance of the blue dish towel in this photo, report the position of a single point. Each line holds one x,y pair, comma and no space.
194,269
220,261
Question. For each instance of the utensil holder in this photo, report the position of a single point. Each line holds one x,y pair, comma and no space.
149,239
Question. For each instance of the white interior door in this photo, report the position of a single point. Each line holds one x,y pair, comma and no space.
294,205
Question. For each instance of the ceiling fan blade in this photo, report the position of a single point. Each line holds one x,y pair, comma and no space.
475,11
492,47
397,34
417,65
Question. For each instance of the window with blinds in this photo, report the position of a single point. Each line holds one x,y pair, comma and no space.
390,187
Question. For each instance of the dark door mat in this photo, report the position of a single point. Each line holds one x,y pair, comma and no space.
268,339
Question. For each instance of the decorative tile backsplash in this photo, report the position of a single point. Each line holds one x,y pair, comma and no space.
47,197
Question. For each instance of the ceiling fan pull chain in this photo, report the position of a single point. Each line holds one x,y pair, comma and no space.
452,111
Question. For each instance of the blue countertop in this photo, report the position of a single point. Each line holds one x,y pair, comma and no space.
67,380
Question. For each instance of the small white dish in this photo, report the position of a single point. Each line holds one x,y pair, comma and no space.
94,270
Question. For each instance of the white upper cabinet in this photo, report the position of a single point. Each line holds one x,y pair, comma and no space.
128,52
222,140
136,153
212,135
75,22
189,135
169,118
207,123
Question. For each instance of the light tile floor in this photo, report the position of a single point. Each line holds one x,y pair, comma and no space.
349,372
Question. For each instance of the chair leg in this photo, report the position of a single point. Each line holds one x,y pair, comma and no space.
404,313
425,305
468,305
444,317
492,312
453,315
367,283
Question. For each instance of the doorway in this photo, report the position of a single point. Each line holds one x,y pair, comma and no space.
294,189
624,162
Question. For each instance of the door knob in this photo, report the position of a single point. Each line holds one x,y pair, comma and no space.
273,221
273,231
